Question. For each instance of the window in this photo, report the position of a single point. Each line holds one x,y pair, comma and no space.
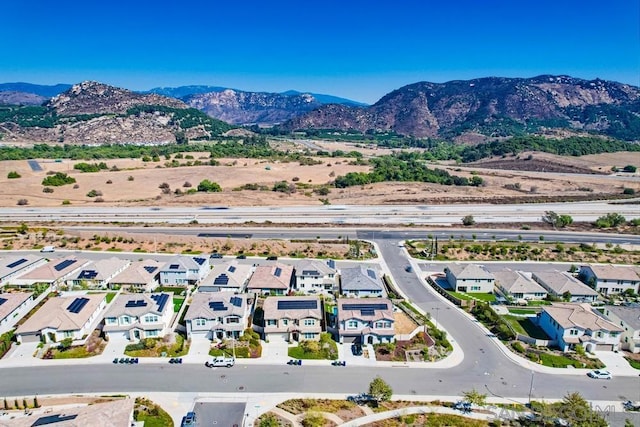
573,332
68,334
125,320
352,324
309,336
599,334
309,322
150,318
272,322
111,321
233,320
200,322
153,333
285,322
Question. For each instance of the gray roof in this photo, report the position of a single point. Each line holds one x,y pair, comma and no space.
629,315
117,413
361,278
312,267
226,304
516,282
148,303
610,272
103,269
469,271
13,264
560,282
138,273
10,301
183,263
236,275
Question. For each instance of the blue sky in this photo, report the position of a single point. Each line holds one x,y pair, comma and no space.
352,48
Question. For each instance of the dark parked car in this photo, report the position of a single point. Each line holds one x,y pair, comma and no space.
356,349
241,257
272,258
215,255
189,420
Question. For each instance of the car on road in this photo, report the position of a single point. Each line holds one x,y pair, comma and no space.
241,257
189,420
356,349
599,374
215,255
408,269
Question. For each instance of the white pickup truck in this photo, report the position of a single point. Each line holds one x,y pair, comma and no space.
221,361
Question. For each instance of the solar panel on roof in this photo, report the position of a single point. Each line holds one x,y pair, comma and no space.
364,306
217,306
232,268
222,279
77,305
367,312
161,300
199,260
277,272
236,301
331,263
17,263
297,305
87,274
174,266
150,268
371,274
64,264
3,300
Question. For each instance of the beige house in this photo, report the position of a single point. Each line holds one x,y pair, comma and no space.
138,316
13,306
218,315
609,280
54,273
274,279
365,320
519,286
468,277
63,317
14,266
228,276
560,283
97,274
292,318
139,276
628,318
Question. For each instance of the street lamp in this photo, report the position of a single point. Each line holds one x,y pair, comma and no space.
530,388
437,309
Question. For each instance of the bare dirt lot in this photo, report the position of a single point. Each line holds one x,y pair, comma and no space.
130,182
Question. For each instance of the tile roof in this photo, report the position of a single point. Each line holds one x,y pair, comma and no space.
271,310
138,272
183,263
10,301
312,267
236,275
266,277
582,316
117,413
378,314
105,268
229,304
610,272
149,304
469,271
629,315
361,278
516,282
53,270
54,314
13,264
561,282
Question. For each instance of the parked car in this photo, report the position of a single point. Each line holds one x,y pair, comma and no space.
215,255
241,257
272,258
599,374
356,349
408,269
363,399
189,420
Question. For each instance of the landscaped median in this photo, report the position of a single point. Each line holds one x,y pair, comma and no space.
172,345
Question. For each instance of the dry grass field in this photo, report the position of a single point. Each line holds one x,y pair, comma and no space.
137,183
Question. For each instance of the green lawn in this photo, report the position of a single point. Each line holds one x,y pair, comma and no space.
538,303
460,296
177,290
524,326
326,348
110,296
177,303
634,363
522,311
483,296
557,361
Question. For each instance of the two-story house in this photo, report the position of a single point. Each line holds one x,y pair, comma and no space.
571,324
218,315
361,281
561,284
469,278
628,318
183,270
97,274
609,280
14,266
272,279
139,316
365,321
13,306
316,277
295,318
59,318
229,276
139,276
519,286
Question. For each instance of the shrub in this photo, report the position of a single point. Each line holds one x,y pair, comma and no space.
47,190
517,346
187,184
58,179
23,202
13,175
131,178
66,202
468,220
629,191
94,193
209,186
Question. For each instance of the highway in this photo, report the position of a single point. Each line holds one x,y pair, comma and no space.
330,214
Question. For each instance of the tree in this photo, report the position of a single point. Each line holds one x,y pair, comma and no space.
475,397
468,220
65,344
13,175
577,411
610,220
630,168
209,186
268,420
557,221
379,389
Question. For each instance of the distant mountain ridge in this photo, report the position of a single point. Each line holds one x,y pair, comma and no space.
46,91
491,106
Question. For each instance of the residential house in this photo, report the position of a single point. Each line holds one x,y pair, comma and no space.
139,276
518,285
628,318
273,279
561,284
139,316
98,274
361,281
609,280
469,278
229,276
63,317
53,273
316,277
113,413
295,318
13,306
183,270
571,324
14,266
218,315
365,321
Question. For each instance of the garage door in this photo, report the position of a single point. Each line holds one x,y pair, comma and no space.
604,347
275,337
30,338
118,336
351,339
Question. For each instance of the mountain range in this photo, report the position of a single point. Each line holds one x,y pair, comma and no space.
483,108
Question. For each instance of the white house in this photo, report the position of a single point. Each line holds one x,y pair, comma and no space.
628,318
316,277
13,306
469,278
361,281
63,317
13,266
561,283
519,286
365,321
295,318
139,316
139,276
98,274
572,324
218,315
183,270
608,279
228,276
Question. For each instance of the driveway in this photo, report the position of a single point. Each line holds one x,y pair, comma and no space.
115,348
616,363
199,350
275,351
21,354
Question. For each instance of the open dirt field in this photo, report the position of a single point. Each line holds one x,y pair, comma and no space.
137,183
